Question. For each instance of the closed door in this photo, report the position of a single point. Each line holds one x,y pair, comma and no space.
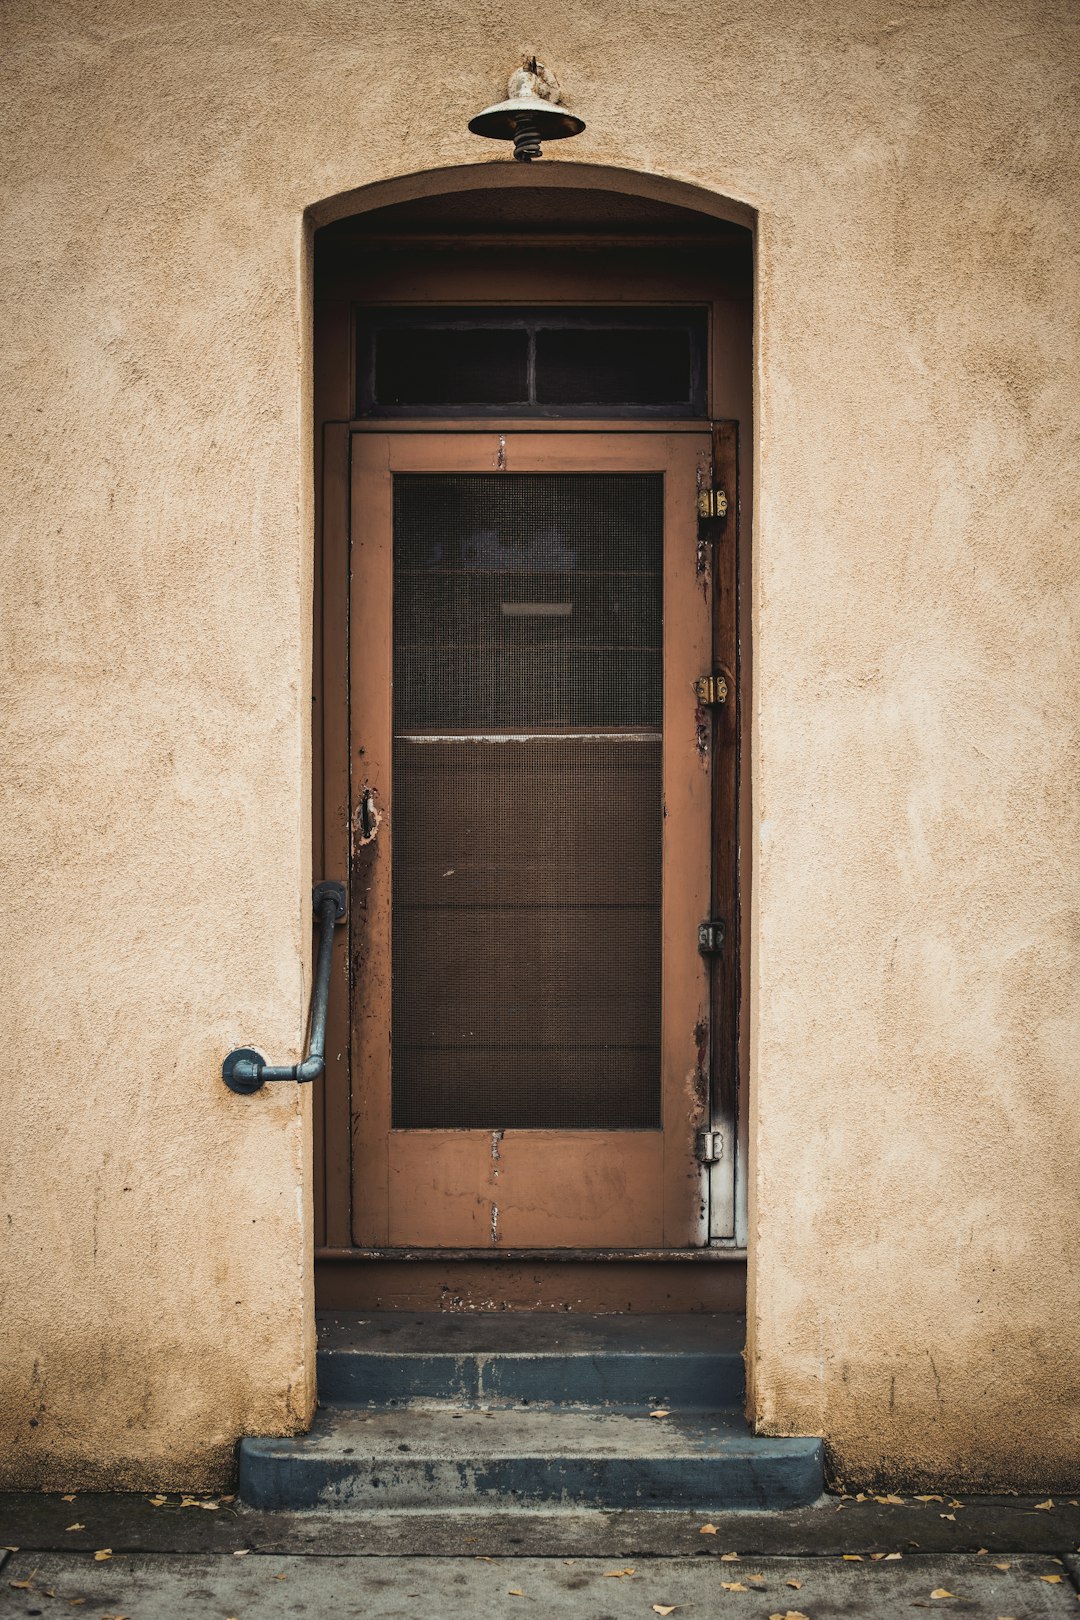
530,826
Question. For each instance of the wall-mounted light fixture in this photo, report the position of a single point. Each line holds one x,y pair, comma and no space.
531,113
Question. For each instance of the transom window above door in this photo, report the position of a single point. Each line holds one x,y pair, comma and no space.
539,361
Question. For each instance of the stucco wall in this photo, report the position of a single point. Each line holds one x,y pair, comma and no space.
916,911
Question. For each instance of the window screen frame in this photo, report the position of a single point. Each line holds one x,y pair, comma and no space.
691,319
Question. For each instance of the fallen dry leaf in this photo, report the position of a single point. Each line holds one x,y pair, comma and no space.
708,1530
890,1556
929,1499
1003,1567
664,1608
853,1558
661,1411
285,1577
157,1501
796,1584
1053,1579
20,1586
759,1578
241,1552
980,1550
732,1558
951,1516
70,1498
897,1501
75,1527
790,1614
1044,1507
514,1591
955,1503
940,1592
618,1574
734,1586
101,1555
232,1499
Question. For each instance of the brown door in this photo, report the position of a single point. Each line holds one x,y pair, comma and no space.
530,813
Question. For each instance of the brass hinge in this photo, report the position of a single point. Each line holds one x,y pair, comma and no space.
709,1147
712,503
710,936
711,690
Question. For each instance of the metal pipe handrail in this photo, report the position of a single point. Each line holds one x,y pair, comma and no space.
245,1070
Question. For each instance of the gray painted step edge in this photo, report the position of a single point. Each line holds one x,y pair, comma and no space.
703,1380
434,1459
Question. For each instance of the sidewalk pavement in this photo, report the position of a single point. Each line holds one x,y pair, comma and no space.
166,1557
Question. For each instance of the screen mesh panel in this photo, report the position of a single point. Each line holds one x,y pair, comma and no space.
527,800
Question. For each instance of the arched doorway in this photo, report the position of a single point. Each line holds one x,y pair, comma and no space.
522,385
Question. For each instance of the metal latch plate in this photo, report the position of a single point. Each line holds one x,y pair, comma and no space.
710,936
709,1147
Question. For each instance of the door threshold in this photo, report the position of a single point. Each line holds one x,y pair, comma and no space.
529,1255
585,1280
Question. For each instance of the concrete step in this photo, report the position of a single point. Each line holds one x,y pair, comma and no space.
390,1358
436,1458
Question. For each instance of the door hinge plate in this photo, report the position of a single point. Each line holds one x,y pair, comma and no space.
712,503
710,936
711,690
709,1147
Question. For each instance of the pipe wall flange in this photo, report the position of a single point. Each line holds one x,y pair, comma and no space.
240,1083
329,890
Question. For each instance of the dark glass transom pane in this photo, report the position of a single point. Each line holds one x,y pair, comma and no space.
440,366
527,800
542,361
612,366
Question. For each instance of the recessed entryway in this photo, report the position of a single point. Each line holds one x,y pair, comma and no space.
533,443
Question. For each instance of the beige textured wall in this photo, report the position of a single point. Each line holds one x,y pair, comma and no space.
915,1028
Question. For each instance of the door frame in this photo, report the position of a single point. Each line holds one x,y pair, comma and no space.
717,733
